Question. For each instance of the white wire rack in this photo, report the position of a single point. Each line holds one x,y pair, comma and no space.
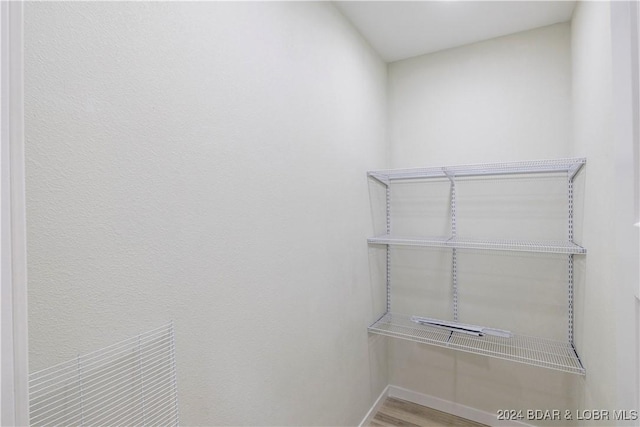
535,351
130,383
557,247
571,166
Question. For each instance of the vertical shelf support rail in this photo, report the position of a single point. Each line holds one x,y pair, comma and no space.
454,254
388,272
571,174
570,256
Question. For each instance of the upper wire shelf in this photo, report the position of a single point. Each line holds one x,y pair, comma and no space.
557,247
571,166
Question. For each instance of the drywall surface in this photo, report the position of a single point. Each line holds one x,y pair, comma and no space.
608,208
626,136
205,162
505,99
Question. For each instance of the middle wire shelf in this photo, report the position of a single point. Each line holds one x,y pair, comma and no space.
553,246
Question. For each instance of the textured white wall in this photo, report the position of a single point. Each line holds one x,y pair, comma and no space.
205,162
501,100
593,128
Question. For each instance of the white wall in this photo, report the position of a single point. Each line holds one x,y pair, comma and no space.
603,131
504,99
205,162
626,111
592,134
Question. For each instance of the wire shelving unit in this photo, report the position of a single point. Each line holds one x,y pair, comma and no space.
542,352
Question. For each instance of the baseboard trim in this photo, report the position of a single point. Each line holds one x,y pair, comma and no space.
452,408
376,406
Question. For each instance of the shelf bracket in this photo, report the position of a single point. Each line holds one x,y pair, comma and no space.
449,174
383,179
574,169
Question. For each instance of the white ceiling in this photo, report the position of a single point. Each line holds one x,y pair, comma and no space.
400,30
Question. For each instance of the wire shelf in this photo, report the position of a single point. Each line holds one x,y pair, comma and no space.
130,383
570,166
557,247
534,351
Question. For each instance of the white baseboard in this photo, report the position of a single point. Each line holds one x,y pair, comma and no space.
449,407
376,406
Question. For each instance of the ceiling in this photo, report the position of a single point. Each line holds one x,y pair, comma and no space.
402,29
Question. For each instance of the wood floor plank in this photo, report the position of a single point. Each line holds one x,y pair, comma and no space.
400,413
392,421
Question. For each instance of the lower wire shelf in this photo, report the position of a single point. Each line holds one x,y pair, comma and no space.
542,352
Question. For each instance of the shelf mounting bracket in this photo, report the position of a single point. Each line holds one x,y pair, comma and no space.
383,179
574,169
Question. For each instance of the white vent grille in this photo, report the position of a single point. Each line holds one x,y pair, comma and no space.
131,383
